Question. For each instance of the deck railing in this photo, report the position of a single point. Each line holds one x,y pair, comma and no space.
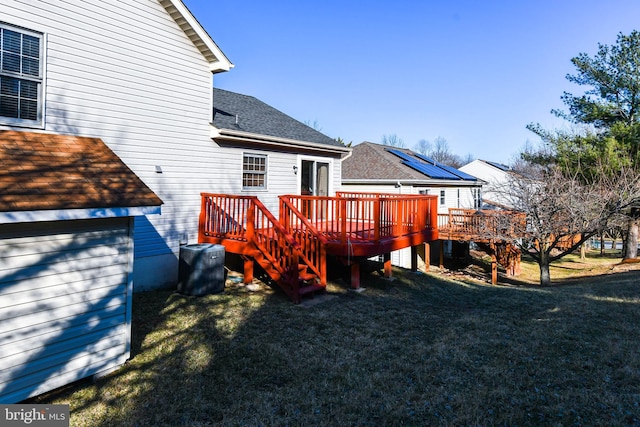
366,217
311,241
246,219
487,224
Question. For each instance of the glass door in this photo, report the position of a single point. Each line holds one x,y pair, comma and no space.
314,181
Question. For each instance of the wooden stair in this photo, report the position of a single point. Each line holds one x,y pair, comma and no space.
261,238
504,253
309,283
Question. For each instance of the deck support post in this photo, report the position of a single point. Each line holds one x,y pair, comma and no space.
494,264
427,256
441,242
414,258
387,265
420,257
355,275
248,270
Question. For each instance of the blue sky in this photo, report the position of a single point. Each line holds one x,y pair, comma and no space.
473,72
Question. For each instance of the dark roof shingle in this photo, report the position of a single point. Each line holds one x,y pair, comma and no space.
47,171
254,116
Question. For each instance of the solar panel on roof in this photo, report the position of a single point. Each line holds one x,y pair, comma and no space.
448,168
430,170
426,159
430,167
402,155
499,166
458,172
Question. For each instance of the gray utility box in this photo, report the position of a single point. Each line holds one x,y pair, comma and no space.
201,270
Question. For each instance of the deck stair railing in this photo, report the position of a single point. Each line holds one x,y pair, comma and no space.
305,232
245,220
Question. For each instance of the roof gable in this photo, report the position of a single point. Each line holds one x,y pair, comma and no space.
58,172
218,61
237,113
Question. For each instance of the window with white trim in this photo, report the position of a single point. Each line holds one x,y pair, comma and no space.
21,53
254,172
442,199
477,198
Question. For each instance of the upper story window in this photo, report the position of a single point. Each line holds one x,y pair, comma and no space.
20,76
254,172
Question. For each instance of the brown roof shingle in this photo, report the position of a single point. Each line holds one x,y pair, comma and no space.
373,161
48,171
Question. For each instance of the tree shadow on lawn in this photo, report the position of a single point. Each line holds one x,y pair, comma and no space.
418,350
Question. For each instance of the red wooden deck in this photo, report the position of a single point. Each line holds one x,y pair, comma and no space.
494,231
351,226
293,247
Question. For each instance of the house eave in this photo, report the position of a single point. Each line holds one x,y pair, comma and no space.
75,214
415,182
272,141
218,61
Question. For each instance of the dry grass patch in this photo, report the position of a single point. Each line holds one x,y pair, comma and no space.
421,350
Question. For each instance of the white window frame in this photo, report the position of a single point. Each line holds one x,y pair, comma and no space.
316,160
39,80
443,199
261,173
477,198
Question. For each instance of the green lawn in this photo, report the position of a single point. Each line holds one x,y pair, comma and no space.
423,349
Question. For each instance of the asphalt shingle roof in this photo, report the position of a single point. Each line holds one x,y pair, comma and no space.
47,171
254,116
371,161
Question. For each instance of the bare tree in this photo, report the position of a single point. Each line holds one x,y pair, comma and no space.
562,212
423,147
440,152
392,140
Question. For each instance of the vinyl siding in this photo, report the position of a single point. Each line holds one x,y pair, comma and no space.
65,291
281,178
125,72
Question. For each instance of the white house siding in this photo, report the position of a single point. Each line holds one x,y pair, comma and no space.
498,181
65,302
125,72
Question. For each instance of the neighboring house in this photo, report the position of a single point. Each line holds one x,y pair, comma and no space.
498,177
135,78
66,259
375,168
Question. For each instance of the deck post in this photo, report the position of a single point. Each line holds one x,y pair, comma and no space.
387,265
414,258
202,218
355,275
248,270
441,242
427,256
494,264
420,257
